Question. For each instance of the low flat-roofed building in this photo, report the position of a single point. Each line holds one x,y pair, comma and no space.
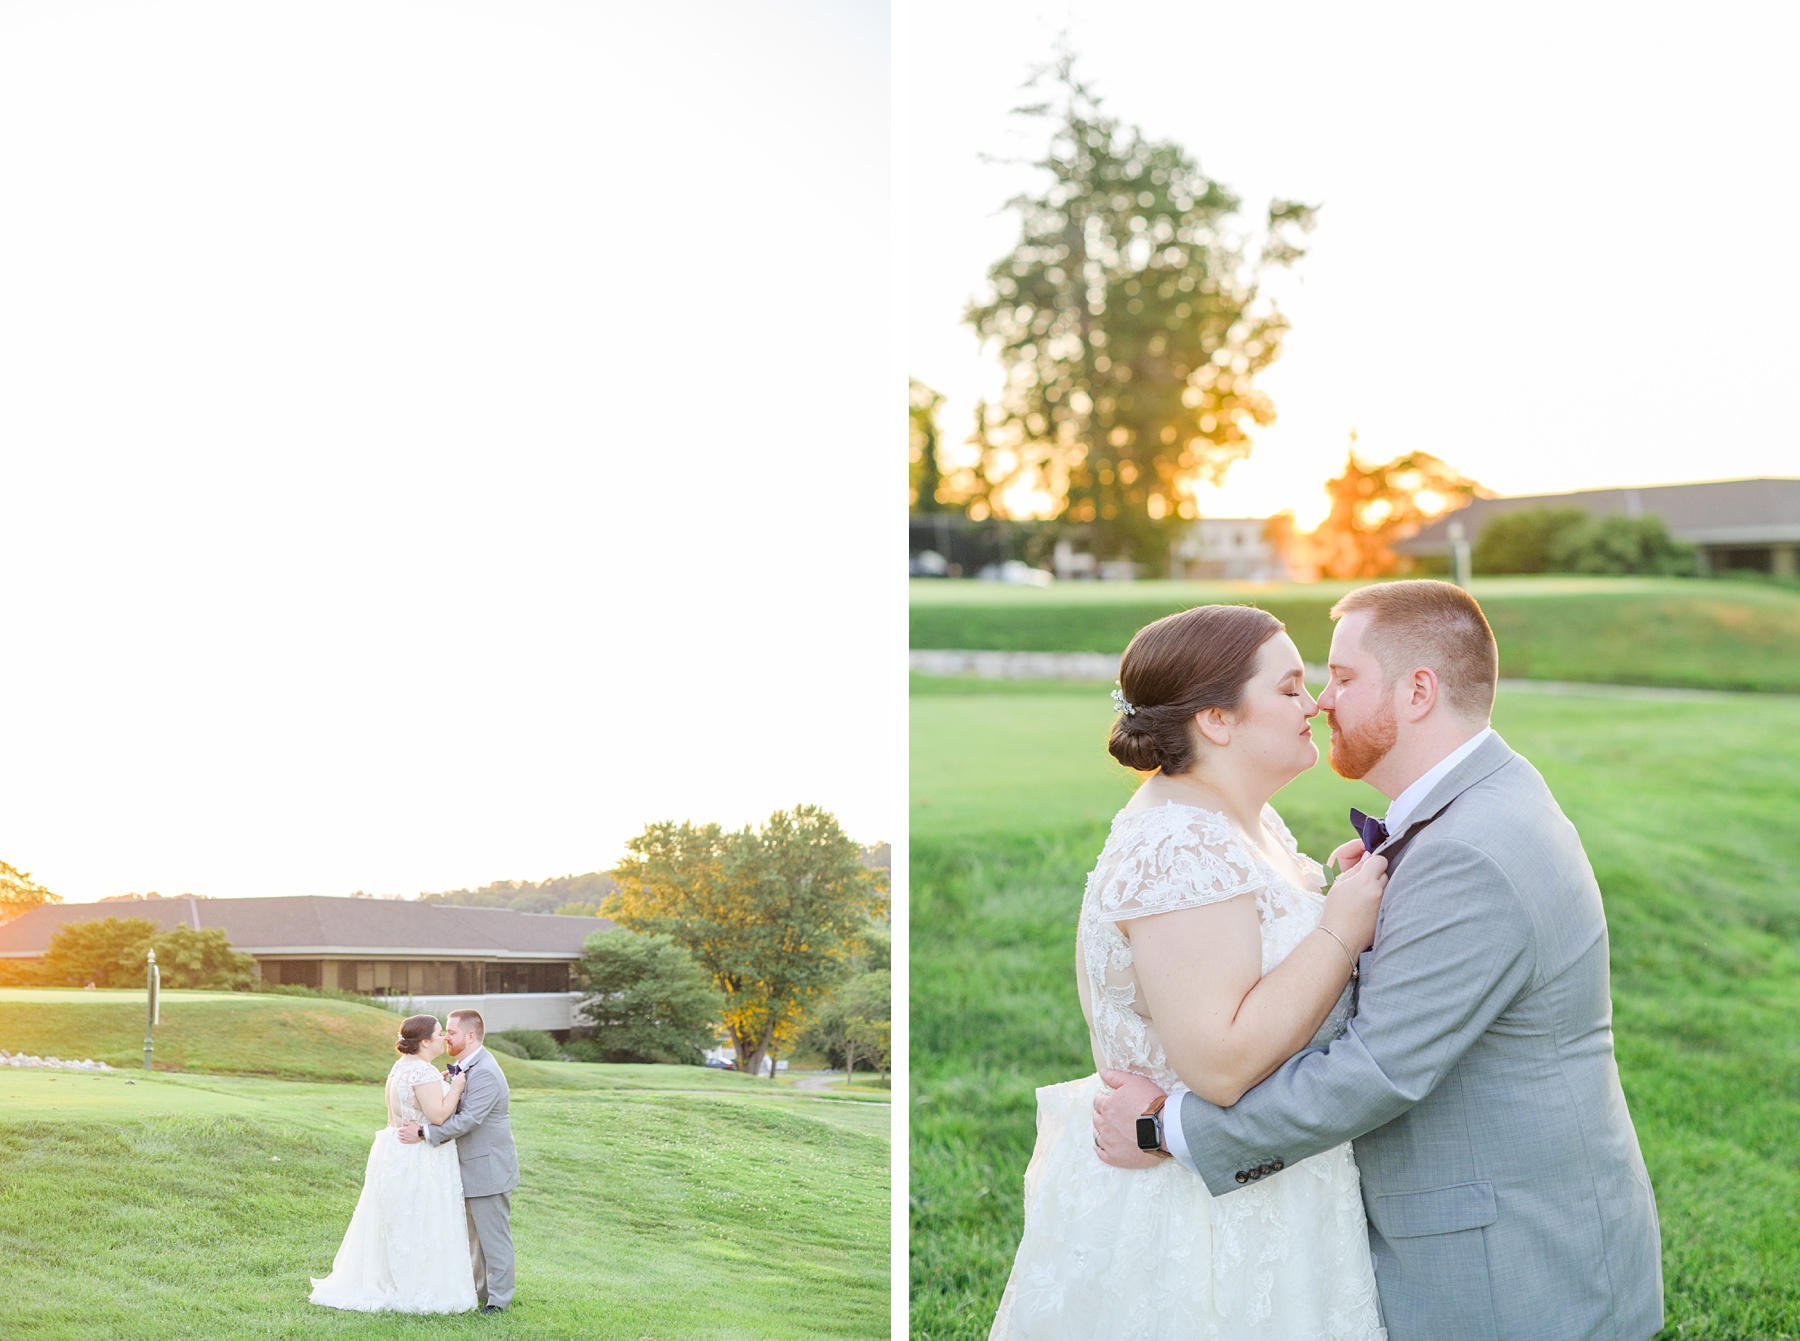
515,968
1735,524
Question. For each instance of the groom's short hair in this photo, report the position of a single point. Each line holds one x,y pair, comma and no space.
471,1022
1423,622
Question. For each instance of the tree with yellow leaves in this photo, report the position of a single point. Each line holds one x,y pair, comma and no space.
773,914
19,893
1374,506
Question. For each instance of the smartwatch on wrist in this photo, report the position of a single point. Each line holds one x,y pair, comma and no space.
1150,1129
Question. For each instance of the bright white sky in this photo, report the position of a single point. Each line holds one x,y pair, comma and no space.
1550,249
438,439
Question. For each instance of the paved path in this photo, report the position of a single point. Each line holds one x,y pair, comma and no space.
1103,668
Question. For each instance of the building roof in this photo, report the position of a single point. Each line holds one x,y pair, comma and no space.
1710,512
316,925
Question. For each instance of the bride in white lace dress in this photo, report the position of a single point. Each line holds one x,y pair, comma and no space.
407,1248
1206,956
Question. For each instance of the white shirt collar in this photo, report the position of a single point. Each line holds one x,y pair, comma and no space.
467,1057
1408,801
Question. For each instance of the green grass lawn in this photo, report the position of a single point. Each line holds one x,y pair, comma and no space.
1649,631
1687,810
658,1201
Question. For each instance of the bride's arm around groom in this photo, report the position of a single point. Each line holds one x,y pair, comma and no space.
1506,1194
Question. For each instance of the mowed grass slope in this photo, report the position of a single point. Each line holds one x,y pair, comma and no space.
657,1201
1685,633
282,1037
1687,813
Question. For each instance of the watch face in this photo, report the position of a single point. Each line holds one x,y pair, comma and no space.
1148,1137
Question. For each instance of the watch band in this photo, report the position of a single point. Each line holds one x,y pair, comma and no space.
1154,1115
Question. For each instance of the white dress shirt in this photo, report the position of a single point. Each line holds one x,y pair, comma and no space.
1399,812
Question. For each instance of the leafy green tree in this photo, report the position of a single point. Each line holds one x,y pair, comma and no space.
111,952
527,896
647,1000
202,959
853,1022
19,893
1130,320
585,908
106,951
923,474
772,915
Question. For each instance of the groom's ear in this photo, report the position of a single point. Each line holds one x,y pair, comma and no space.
1422,694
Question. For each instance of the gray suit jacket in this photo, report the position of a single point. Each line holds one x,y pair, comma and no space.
482,1131
1506,1195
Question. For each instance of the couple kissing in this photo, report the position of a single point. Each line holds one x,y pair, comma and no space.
432,1230
1392,1111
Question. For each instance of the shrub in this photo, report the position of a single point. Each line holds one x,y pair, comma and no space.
113,952
202,959
1525,541
319,993
1569,540
106,951
533,1044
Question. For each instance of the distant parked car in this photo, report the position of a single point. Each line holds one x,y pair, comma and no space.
1018,573
718,1065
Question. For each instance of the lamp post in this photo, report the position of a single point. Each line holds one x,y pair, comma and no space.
1459,551
152,981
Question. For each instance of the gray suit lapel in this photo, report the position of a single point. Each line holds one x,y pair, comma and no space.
1487,758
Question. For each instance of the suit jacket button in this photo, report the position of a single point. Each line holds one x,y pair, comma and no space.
1242,1177
1266,1168
1277,1166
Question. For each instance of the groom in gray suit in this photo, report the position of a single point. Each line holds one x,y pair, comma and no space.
482,1130
1506,1196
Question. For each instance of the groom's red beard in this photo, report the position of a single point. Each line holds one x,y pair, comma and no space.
1354,753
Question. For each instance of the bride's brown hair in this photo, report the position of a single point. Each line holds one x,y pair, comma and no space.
414,1031
1200,658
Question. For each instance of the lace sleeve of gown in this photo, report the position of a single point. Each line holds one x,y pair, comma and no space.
403,1104
1177,857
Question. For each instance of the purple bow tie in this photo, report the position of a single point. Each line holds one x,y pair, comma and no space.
1372,831
454,1069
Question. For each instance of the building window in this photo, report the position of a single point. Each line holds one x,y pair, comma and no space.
1758,560
291,972
528,977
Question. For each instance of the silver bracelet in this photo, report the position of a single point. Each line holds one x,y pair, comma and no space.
1347,955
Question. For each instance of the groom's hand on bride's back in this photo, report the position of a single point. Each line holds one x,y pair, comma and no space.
1116,1111
412,1132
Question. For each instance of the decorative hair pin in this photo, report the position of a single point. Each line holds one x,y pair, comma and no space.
1122,704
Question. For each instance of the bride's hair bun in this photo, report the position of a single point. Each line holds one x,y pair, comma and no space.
414,1031
1200,658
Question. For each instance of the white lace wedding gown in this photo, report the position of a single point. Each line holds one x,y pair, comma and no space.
1150,1253
407,1248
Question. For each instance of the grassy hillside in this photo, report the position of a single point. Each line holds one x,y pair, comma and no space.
1648,631
244,1034
163,1205
288,1038
1686,810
